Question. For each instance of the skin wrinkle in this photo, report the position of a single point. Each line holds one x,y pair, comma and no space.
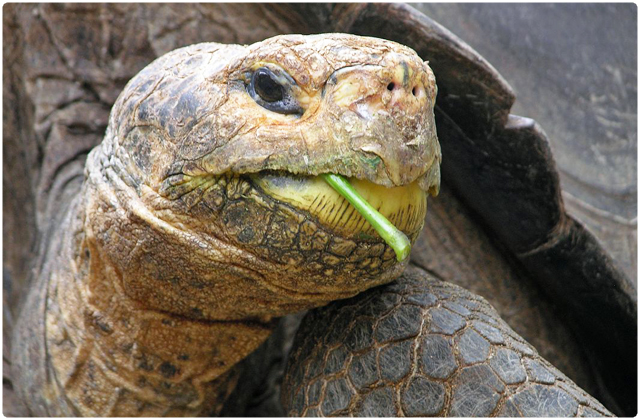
306,149
201,266
279,289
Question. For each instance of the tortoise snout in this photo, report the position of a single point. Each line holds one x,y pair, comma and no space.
401,86
384,110
405,87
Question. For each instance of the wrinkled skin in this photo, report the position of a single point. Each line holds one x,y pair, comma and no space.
70,73
167,290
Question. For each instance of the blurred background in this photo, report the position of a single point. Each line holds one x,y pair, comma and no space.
573,68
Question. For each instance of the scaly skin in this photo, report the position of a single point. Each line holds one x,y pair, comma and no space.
170,265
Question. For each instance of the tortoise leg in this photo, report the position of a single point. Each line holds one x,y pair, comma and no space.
422,347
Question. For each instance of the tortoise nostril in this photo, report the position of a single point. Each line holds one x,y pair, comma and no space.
415,91
390,86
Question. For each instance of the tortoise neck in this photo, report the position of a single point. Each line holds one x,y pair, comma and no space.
101,342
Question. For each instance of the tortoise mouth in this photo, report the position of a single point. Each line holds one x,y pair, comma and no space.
296,229
404,206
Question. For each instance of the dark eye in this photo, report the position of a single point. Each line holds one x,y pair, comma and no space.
272,91
268,89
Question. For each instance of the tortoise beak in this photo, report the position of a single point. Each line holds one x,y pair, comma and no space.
405,207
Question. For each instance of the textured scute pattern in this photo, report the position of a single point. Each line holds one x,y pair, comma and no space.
422,347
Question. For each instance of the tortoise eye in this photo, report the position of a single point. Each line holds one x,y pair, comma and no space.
266,87
272,90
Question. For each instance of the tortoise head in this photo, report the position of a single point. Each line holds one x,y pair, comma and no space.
220,148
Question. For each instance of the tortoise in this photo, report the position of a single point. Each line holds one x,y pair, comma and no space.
494,158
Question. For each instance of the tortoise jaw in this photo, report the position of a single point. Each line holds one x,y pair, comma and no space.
404,206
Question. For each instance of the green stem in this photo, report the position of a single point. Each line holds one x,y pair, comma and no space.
392,235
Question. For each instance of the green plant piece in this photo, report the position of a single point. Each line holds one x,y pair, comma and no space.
391,235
